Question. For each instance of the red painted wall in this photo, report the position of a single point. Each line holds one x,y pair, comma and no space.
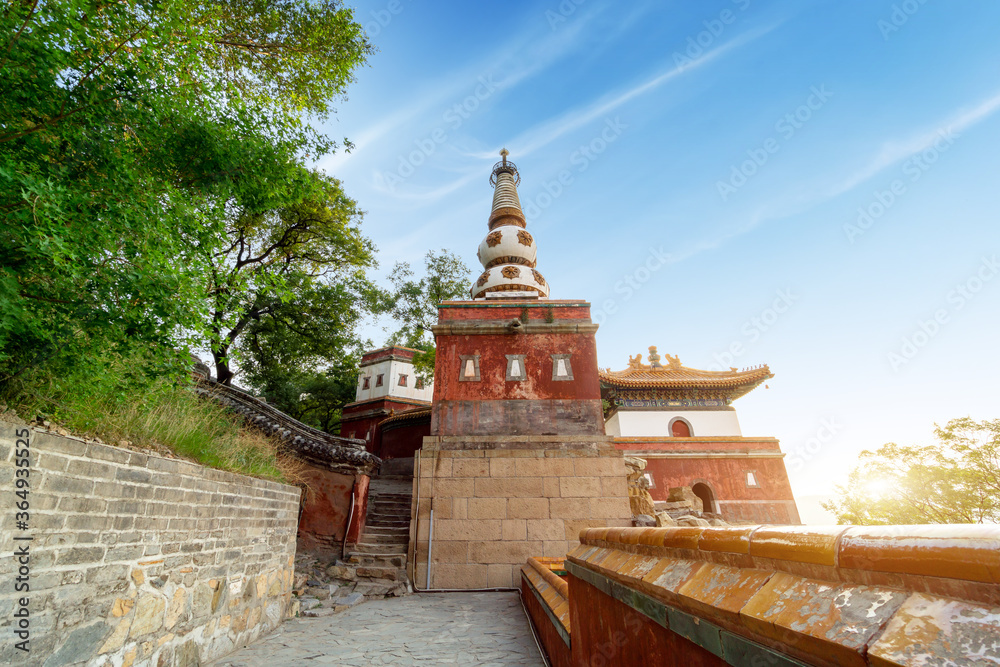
354,425
727,477
403,440
559,654
607,633
360,512
325,509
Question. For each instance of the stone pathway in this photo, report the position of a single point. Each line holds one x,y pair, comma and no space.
421,629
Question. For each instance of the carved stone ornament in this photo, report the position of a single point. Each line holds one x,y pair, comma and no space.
493,238
482,279
538,277
524,238
511,272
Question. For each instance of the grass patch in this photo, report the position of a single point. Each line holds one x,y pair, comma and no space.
151,406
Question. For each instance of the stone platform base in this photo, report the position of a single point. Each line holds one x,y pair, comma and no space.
498,500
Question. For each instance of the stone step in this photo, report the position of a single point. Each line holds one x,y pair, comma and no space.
375,548
377,560
385,539
388,521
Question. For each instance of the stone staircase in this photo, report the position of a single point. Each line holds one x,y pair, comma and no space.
380,553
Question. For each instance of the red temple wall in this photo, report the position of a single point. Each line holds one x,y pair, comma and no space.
606,632
326,507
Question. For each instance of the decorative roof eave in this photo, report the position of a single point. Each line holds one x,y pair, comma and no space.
342,455
675,377
405,416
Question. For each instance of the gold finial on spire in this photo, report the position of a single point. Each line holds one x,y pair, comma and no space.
504,153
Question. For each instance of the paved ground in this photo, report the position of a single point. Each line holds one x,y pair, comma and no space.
422,629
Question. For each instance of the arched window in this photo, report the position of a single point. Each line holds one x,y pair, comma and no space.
704,492
680,428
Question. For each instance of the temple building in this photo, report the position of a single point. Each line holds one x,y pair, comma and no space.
682,422
520,444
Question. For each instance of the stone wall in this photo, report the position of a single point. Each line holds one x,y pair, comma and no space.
499,500
136,559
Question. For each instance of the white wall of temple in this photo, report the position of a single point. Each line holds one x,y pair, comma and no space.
655,423
391,372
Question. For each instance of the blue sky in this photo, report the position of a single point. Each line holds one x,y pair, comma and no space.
809,185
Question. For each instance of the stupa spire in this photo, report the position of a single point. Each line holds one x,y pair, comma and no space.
508,251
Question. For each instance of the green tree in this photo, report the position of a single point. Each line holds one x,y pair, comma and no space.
299,268
127,132
954,481
415,303
302,352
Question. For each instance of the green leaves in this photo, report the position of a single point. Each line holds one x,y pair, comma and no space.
415,303
956,481
129,134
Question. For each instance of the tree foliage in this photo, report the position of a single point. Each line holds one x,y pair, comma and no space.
302,352
129,133
954,481
298,271
415,303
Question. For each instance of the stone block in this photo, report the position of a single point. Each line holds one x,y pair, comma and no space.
502,467
458,576
550,487
467,529
614,486
527,508
571,508
499,576
471,468
600,466
544,467
148,615
452,487
487,508
610,508
503,552
545,529
447,551
460,508
514,529
508,487
583,487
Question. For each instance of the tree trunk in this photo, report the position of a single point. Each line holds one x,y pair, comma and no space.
222,373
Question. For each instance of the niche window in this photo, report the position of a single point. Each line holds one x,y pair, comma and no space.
378,379
516,371
649,480
562,370
366,382
468,368
752,479
402,380
419,384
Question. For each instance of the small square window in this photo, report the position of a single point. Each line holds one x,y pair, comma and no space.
367,382
752,479
649,480
516,371
419,384
468,368
378,380
562,370
402,380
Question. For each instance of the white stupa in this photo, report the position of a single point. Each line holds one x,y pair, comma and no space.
508,251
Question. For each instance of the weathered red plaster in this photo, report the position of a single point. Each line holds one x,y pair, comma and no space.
324,513
607,632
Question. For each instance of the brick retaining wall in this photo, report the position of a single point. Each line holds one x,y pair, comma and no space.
138,559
